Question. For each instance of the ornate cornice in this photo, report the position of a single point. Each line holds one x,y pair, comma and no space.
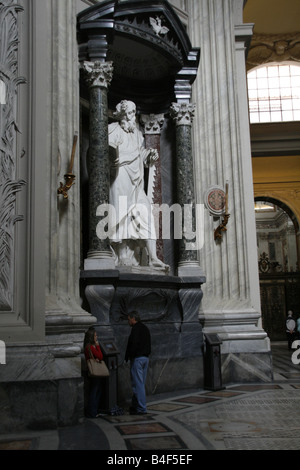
143,29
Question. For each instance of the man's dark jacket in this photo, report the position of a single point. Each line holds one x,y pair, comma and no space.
139,342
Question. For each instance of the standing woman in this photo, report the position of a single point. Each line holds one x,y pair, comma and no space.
91,347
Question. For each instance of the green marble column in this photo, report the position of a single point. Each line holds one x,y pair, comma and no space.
182,114
98,75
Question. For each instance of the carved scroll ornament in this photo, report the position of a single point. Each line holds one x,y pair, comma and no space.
9,187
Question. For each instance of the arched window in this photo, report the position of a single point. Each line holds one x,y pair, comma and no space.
274,93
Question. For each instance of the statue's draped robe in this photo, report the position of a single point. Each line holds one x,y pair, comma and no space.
134,218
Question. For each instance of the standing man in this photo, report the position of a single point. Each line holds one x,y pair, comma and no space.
138,351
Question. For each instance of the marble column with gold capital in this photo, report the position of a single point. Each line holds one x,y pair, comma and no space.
183,114
98,76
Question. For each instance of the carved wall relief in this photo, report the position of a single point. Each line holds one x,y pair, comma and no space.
9,186
266,48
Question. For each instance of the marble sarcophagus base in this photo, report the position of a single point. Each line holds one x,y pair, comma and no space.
169,306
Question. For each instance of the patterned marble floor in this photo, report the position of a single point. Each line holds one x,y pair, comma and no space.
238,417
242,417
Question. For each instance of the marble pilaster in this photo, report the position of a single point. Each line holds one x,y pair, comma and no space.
65,320
231,303
41,382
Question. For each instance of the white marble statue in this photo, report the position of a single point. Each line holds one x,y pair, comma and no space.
134,228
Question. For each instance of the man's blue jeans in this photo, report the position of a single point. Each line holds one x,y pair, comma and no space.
94,397
138,374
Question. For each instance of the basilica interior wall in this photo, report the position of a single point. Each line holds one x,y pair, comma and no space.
45,323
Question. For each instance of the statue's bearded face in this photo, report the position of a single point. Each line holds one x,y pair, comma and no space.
128,119
129,114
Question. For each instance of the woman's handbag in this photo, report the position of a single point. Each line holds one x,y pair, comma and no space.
95,368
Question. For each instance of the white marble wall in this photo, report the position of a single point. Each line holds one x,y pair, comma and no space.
48,118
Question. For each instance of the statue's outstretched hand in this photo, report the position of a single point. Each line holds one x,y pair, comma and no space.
153,156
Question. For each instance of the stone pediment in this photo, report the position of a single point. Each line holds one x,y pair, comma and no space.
149,48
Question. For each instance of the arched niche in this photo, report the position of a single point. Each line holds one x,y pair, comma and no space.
151,62
140,51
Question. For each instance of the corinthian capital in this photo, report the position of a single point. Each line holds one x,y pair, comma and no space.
98,73
183,113
152,123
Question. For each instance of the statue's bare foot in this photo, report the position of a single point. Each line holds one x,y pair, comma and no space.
157,263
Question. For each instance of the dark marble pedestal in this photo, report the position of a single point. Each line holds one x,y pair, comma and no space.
169,306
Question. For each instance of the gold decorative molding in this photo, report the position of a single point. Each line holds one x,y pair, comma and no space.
266,48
